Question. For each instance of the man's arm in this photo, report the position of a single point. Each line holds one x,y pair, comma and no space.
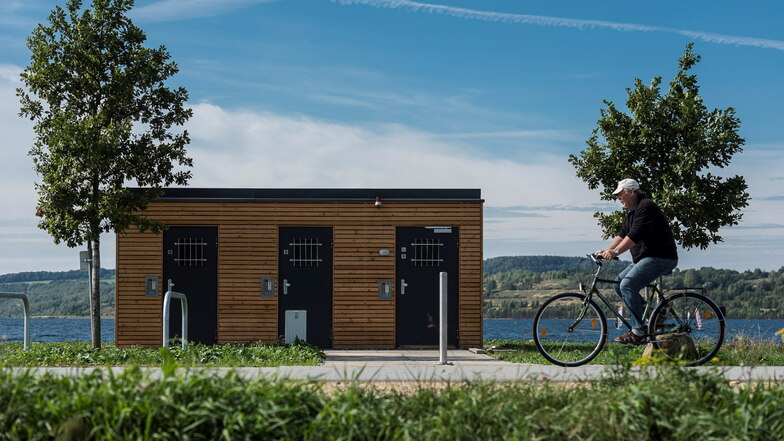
622,244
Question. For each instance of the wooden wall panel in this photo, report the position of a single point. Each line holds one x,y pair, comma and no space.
248,251
360,318
137,316
470,283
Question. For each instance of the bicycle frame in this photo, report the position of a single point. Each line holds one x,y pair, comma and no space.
652,297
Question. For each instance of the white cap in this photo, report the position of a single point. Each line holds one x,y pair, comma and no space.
627,183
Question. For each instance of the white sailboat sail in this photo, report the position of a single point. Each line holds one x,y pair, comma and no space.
698,318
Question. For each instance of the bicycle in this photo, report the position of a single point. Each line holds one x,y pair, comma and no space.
570,328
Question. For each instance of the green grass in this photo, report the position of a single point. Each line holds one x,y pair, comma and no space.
82,354
132,406
519,351
746,352
739,352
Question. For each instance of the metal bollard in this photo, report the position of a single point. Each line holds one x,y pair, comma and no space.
442,306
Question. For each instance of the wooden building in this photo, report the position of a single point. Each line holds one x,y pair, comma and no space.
339,268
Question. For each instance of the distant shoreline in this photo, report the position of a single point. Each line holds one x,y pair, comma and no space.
63,317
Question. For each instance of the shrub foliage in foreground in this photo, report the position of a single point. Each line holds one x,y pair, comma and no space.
678,405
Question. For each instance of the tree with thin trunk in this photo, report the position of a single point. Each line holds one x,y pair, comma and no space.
673,145
104,119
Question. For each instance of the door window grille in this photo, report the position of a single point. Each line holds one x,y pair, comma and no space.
427,252
190,251
305,252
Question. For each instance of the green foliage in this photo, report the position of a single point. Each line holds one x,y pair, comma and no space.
669,143
676,404
235,355
659,358
103,116
518,291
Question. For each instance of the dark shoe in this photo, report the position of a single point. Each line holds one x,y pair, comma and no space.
630,338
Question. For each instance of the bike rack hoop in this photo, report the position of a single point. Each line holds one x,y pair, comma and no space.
166,308
26,303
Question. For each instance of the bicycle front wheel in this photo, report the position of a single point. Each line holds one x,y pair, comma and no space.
687,326
570,329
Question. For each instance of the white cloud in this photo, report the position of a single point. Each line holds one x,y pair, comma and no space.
243,148
16,168
541,20
175,10
10,73
248,149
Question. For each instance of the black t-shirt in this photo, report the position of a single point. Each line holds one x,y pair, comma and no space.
646,225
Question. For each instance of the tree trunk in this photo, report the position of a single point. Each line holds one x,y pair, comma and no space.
95,293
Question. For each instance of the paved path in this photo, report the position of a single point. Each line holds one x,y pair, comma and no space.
422,366
399,357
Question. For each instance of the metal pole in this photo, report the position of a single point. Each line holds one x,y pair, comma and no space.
26,304
90,287
442,306
26,323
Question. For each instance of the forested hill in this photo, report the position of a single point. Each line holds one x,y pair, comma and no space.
63,293
41,276
540,264
515,286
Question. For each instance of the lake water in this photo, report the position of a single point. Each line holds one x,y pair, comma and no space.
54,329
78,329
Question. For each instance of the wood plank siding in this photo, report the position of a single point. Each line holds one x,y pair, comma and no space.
248,251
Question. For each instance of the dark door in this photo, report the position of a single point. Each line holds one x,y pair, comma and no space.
424,252
305,274
190,261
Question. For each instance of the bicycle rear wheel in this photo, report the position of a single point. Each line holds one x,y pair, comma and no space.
569,329
687,326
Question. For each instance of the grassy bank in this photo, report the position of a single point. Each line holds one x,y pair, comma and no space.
682,406
739,352
234,355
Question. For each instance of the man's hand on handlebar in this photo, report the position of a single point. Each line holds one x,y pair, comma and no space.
605,254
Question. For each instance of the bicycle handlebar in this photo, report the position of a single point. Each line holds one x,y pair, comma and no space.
598,258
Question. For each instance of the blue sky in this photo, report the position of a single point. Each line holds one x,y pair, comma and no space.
493,95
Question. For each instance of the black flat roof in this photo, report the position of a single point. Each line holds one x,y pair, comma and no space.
320,194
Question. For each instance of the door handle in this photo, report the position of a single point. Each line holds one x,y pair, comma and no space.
286,285
403,286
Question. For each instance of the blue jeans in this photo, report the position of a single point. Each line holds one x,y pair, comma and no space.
636,277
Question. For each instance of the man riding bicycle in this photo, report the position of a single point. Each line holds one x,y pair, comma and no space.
647,234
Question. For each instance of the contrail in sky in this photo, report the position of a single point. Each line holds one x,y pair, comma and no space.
541,20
